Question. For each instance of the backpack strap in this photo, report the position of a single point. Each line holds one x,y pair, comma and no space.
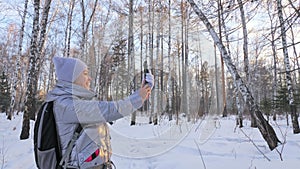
65,158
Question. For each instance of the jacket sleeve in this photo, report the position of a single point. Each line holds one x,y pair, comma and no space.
92,111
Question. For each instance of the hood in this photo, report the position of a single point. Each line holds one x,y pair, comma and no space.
67,89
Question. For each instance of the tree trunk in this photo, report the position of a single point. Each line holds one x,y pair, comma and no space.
184,105
217,82
170,93
68,29
274,54
264,127
295,54
294,114
151,48
246,58
220,18
239,109
30,100
131,64
161,26
16,76
84,28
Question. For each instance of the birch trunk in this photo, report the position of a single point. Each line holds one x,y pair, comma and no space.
217,82
84,28
275,71
295,54
170,109
294,114
264,127
161,70
155,94
151,34
30,95
183,56
246,58
16,76
131,55
69,29
221,21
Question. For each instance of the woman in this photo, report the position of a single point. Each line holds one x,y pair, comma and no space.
75,103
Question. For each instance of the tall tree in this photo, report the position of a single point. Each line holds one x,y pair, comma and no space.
184,57
30,95
245,52
4,94
36,47
274,53
293,107
68,29
85,25
162,73
220,23
131,62
16,74
170,84
151,49
265,128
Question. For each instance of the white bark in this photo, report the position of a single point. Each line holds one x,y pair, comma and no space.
265,128
294,115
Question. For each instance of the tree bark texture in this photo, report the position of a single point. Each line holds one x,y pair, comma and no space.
294,114
30,95
264,127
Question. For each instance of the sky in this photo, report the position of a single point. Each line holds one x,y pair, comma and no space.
210,143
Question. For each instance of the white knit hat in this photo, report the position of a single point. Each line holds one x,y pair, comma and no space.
68,69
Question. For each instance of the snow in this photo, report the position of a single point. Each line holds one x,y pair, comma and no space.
211,143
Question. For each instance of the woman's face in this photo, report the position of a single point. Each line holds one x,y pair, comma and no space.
84,79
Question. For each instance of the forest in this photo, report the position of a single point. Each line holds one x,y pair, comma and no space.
209,57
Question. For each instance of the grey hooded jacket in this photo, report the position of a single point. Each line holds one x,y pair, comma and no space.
74,104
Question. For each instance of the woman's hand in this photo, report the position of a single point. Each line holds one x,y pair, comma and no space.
145,92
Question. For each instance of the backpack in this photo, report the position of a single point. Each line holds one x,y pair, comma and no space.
47,151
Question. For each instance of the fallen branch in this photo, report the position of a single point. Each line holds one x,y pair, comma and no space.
284,135
200,154
255,145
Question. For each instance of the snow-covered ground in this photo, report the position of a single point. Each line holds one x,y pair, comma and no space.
212,143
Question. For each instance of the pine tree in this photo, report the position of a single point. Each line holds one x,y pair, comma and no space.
281,100
4,92
266,106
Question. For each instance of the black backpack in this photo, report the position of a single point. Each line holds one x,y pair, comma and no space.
47,149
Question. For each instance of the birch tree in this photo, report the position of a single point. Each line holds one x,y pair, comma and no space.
272,40
170,109
245,53
16,73
184,57
68,29
264,127
85,25
29,98
36,47
293,107
151,49
131,62
220,23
